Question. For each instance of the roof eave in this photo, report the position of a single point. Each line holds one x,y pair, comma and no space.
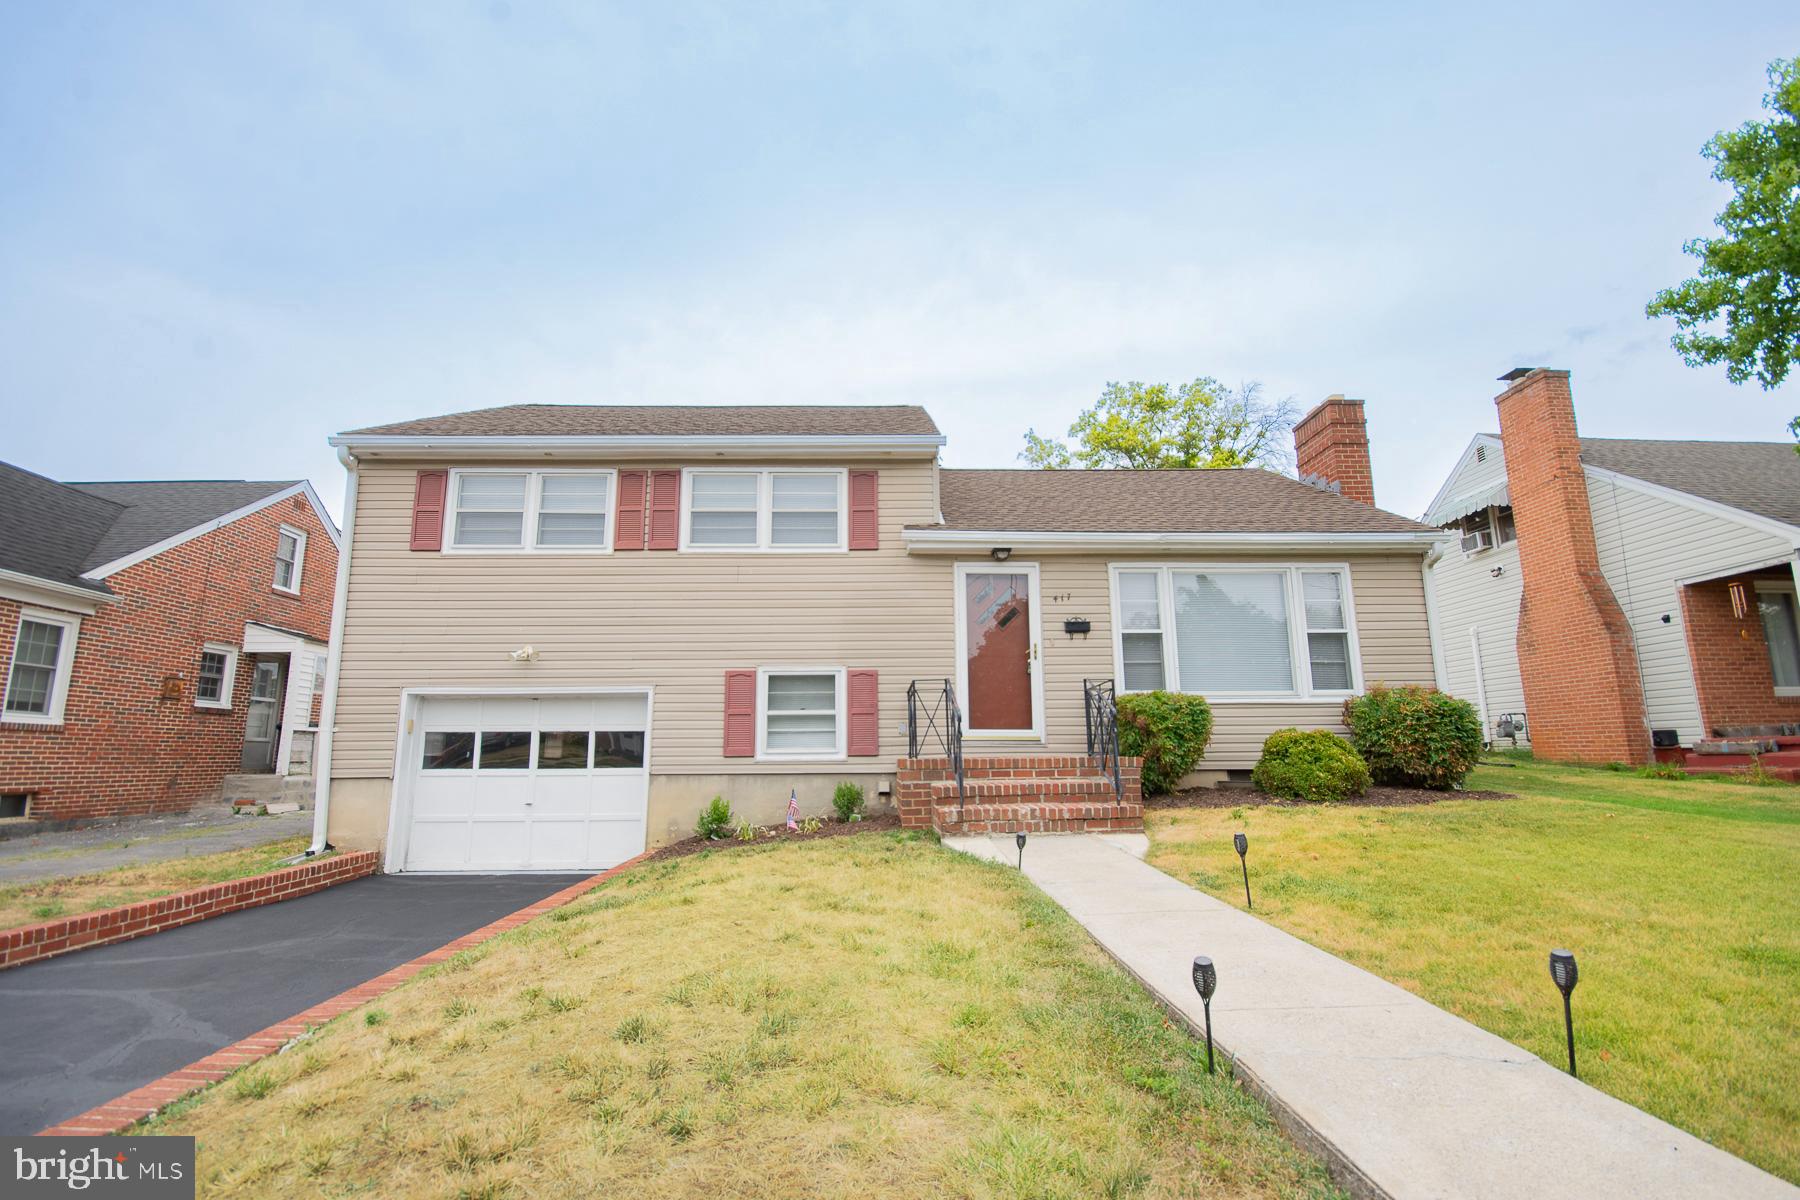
962,541
35,589
637,446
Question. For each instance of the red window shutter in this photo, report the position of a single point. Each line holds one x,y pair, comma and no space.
865,515
628,523
740,714
429,494
865,713
665,510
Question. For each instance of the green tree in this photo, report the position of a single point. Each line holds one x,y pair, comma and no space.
1198,424
1751,275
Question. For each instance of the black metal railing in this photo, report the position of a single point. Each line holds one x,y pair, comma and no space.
1100,706
932,717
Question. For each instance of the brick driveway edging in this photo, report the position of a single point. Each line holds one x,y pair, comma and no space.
29,943
121,1113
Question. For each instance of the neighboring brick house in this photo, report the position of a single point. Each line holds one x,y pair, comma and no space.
156,637
1619,592
569,627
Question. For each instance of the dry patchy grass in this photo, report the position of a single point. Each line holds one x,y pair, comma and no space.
870,1016
1677,897
48,899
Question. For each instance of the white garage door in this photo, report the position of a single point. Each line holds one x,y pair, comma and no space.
553,783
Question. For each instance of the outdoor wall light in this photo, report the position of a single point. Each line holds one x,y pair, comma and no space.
1242,845
1001,553
525,654
1564,972
1019,841
1206,981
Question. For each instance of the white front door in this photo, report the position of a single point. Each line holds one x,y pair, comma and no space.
513,783
999,683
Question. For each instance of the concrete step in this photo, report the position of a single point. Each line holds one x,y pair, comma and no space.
1788,774
248,790
1039,816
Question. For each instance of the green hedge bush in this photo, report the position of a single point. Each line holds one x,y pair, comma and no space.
847,800
1414,736
1168,730
1313,764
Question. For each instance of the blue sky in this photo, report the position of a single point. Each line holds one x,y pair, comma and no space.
227,231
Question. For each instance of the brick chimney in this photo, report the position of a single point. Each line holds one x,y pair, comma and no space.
1331,446
1584,698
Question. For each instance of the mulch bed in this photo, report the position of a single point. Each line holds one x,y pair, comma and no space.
771,835
1375,797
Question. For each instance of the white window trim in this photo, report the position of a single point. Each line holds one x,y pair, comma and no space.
765,507
1298,658
65,667
763,753
533,501
1774,585
299,536
231,664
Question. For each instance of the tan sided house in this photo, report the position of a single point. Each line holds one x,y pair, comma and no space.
564,629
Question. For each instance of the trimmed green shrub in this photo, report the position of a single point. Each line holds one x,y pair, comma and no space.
715,820
1313,764
848,801
1168,730
1414,736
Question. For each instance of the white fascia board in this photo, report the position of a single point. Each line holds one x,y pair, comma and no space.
29,589
1756,521
1475,443
303,488
952,541
661,446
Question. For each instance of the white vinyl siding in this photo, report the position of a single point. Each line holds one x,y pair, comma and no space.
1647,543
763,509
497,511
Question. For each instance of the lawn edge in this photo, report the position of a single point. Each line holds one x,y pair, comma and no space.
122,1112
23,944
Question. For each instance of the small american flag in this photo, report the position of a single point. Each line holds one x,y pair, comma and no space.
793,809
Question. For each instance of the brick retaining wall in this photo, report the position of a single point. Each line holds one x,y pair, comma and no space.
32,942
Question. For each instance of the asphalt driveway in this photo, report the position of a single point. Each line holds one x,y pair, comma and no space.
79,1030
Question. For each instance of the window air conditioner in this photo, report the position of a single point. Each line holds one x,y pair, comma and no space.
1481,539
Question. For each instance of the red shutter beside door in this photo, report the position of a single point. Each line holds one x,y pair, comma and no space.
665,510
865,714
740,714
865,516
628,525
429,493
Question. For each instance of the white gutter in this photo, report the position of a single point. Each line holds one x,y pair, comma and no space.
951,540
658,445
334,656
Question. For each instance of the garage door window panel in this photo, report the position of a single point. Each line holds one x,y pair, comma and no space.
505,750
562,751
619,750
449,751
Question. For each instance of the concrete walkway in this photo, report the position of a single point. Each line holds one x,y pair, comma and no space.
1401,1098
134,841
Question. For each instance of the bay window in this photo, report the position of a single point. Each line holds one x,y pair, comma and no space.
530,511
1239,631
797,509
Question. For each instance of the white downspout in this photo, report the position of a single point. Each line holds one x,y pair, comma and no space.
1480,682
1438,674
334,655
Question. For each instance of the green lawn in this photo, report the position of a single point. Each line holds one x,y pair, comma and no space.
44,900
1679,899
870,1016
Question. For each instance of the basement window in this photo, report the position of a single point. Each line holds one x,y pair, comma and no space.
15,804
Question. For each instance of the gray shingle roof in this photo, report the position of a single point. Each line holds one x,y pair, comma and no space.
1117,501
668,420
1758,477
56,531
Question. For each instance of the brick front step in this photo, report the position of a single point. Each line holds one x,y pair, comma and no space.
1780,758
1711,765
1039,817
944,791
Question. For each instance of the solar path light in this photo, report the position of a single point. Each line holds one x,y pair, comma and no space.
1564,972
1019,841
1206,981
1242,844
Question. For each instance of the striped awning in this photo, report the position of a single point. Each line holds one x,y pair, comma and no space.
1455,508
